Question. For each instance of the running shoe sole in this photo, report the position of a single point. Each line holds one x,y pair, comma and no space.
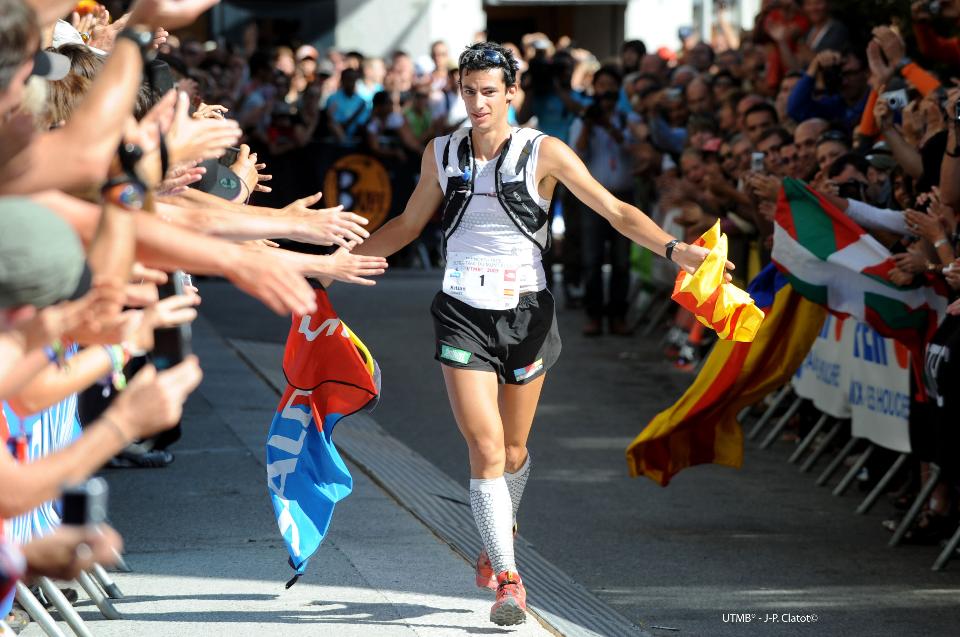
508,613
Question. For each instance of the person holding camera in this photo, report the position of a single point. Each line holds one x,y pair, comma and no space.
602,137
834,88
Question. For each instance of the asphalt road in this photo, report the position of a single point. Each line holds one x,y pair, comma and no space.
715,546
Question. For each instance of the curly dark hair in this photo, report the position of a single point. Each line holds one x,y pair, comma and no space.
484,56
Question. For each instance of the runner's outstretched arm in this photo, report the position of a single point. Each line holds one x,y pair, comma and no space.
562,163
401,230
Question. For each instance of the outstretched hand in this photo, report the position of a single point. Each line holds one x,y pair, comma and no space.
691,257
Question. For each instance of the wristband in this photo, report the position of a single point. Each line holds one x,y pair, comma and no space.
669,249
940,242
903,63
117,360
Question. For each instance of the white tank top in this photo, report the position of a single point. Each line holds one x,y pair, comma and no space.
485,228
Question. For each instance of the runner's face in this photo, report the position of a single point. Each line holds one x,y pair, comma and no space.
487,97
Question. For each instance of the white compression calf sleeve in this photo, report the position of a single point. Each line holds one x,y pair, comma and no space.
516,483
492,511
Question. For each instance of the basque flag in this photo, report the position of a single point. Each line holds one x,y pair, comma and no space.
330,374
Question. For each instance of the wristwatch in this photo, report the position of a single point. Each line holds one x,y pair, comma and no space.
143,39
670,245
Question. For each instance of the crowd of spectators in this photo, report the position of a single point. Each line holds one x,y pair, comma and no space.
112,186
693,136
112,180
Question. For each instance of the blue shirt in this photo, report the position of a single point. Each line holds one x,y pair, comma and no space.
354,109
802,105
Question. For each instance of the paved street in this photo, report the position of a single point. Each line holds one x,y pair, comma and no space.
207,558
763,539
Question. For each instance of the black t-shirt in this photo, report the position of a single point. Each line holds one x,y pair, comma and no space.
941,374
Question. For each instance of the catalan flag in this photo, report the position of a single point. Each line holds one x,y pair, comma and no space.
724,307
701,427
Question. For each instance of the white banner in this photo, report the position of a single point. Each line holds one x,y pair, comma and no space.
853,372
879,389
824,376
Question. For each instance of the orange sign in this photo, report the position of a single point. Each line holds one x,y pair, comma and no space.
361,184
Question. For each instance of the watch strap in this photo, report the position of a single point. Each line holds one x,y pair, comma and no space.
670,245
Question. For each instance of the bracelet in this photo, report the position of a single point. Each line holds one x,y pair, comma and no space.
117,361
116,428
940,242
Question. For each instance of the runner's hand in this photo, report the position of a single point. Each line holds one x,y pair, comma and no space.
691,257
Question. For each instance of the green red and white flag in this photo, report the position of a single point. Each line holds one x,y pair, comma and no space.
832,261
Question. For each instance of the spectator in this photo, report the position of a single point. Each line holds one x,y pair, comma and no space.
759,118
843,81
805,138
826,33
602,137
346,109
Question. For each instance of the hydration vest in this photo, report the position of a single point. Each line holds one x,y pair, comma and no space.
456,165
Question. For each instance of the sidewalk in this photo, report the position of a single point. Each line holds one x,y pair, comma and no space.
208,560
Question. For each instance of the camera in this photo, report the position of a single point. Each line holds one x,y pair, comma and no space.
896,100
852,189
85,503
832,78
593,114
171,344
756,162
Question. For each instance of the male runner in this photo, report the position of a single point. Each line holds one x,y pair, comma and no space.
494,320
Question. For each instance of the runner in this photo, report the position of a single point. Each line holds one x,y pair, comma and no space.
494,319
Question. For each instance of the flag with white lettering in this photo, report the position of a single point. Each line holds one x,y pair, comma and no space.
330,375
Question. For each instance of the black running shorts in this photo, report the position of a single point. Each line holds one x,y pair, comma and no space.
518,345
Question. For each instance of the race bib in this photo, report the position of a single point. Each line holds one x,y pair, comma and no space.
484,282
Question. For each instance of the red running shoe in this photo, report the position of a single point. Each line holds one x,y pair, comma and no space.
486,578
485,575
510,608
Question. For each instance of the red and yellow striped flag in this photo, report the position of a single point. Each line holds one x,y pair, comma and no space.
701,427
723,307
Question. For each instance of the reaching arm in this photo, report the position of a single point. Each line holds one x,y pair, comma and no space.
401,230
558,160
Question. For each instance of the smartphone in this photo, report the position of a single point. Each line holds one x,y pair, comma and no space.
85,503
229,158
756,162
171,344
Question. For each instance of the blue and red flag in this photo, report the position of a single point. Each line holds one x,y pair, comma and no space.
330,375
